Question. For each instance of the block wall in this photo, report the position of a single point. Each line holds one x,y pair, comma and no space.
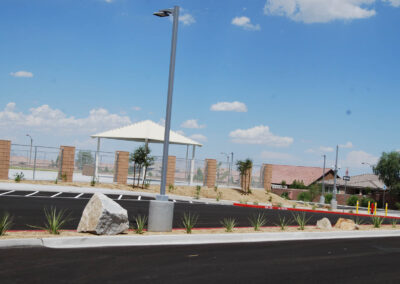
267,175
171,170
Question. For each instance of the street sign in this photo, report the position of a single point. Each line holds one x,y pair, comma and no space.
384,187
346,178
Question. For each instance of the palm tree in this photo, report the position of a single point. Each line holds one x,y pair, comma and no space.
244,167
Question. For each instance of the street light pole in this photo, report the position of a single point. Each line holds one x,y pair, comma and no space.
322,198
30,152
229,165
334,201
161,211
175,14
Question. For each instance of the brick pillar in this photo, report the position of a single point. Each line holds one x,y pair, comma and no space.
210,173
121,167
5,148
267,176
171,170
67,159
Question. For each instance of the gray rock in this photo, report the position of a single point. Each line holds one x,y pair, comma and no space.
103,216
324,224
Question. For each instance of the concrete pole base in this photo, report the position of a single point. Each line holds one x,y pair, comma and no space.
322,199
161,214
334,204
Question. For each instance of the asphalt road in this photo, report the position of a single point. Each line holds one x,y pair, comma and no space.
373,260
29,211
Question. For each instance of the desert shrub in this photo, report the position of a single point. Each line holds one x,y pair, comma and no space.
285,195
364,201
304,196
197,194
283,222
328,198
140,223
397,204
299,184
18,177
352,200
377,221
55,220
301,220
229,224
5,223
189,221
258,221
219,196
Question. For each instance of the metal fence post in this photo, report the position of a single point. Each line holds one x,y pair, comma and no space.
34,163
60,160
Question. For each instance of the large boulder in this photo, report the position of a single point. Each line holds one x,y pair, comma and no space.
324,224
103,216
345,224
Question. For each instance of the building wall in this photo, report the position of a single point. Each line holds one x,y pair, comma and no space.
5,148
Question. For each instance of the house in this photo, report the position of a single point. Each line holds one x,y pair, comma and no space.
281,176
360,184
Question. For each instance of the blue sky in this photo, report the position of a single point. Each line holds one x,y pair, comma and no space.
279,81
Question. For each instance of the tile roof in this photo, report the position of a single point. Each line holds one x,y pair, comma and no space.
361,181
301,173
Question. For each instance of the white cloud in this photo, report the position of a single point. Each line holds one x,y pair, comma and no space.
192,123
108,1
22,74
229,106
356,158
259,135
44,119
136,108
394,3
199,137
245,23
320,150
348,145
326,149
321,11
187,19
277,156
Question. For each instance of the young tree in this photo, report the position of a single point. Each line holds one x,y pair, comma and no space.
388,170
141,159
84,158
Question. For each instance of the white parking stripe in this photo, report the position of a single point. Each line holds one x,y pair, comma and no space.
56,194
119,197
174,200
190,201
4,193
79,195
140,197
30,194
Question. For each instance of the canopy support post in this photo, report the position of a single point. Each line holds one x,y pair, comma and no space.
96,163
192,165
186,163
146,145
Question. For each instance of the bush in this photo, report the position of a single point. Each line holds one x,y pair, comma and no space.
301,220
55,220
285,195
377,221
299,184
140,223
18,177
258,221
397,204
352,200
304,196
328,198
229,224
364,201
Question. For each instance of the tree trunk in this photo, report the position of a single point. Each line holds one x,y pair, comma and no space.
138,180
144,176
134,174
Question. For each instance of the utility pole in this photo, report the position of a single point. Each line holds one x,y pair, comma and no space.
322,198
334,201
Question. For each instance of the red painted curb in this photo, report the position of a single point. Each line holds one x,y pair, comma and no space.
309,210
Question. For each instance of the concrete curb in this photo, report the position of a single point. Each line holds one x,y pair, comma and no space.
161,240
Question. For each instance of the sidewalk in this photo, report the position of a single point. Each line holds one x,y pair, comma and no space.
162,240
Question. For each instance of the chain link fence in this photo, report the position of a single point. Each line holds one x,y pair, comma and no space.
43,163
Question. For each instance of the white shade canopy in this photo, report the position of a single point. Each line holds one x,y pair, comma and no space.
145,131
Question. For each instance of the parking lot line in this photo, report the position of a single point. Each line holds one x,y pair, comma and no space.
79,195
56,194
7,192
119,197
33,193
140,197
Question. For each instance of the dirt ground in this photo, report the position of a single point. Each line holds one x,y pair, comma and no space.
43,234
232,194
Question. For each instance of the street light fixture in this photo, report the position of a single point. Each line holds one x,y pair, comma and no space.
334,201
30,152
322,198
161,210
